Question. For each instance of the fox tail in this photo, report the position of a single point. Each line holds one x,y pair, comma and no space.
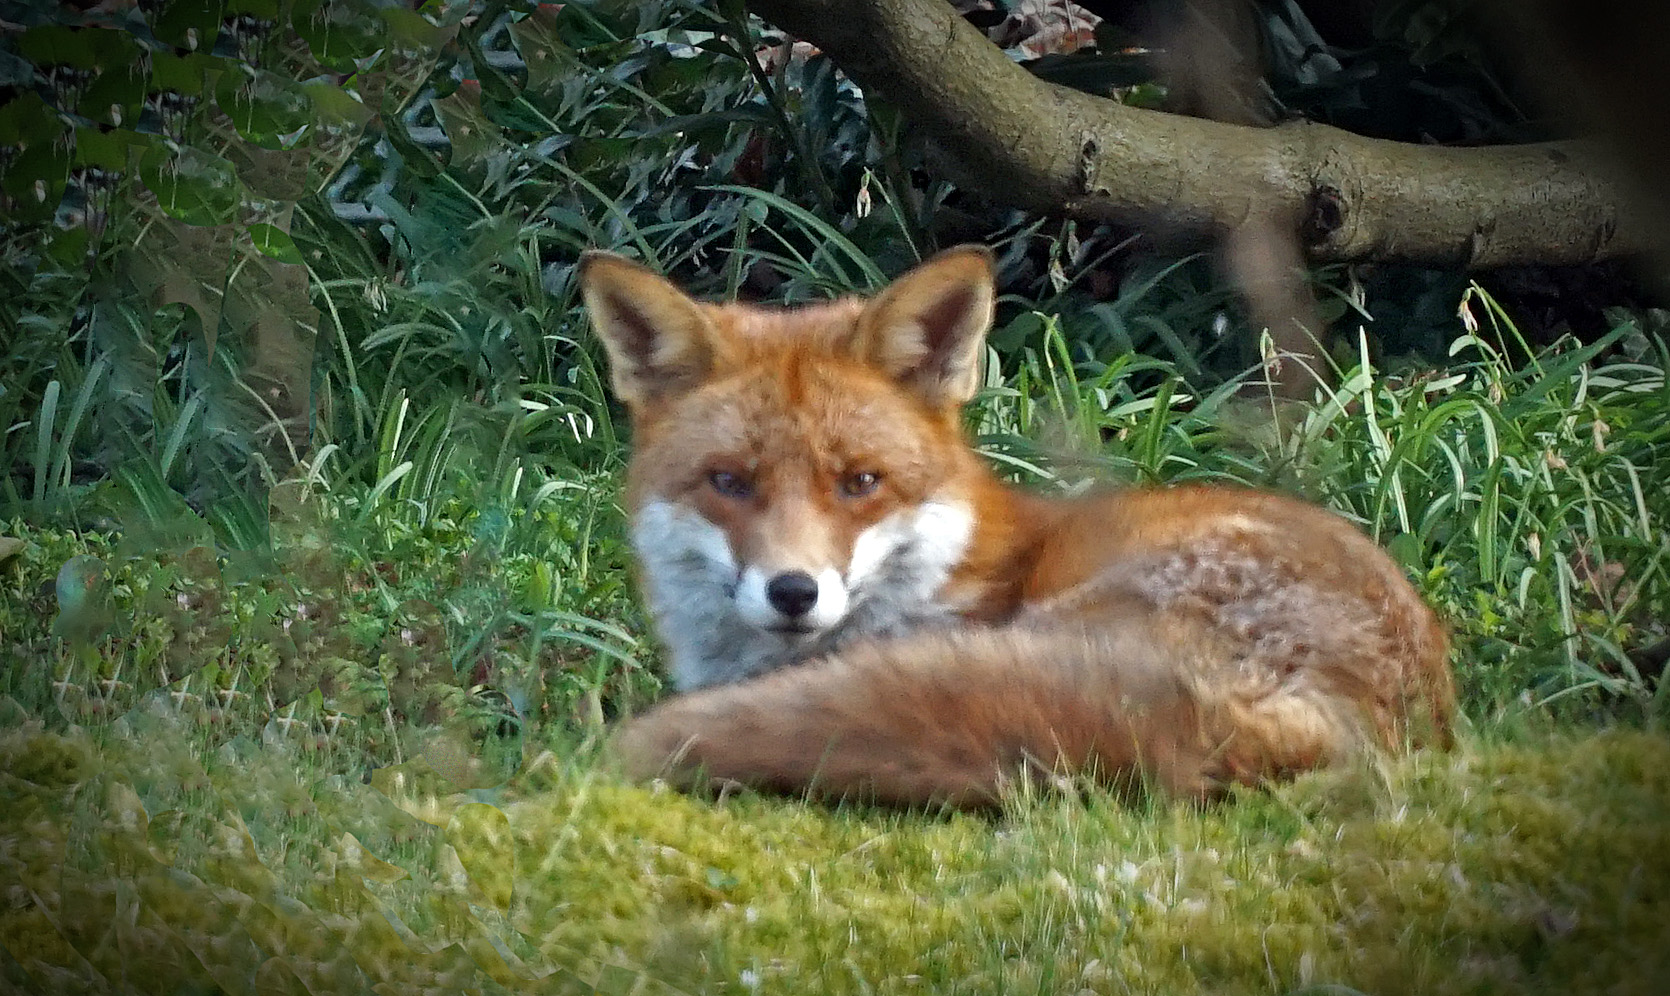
951,718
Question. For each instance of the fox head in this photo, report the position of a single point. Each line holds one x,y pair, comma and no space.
798,475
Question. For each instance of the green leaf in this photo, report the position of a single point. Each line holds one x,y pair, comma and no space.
264,107
43,437
1147,95
35,182
57,45
267,9
68,247
411,32
543,49
471,133
189,24
28,120
193,186
106,150
338,32
274,242
335,106
192,73
115,97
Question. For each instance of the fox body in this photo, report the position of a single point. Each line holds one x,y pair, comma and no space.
854,604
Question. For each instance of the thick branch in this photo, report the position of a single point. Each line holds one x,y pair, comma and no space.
1045,147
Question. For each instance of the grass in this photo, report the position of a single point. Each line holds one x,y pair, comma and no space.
1528,503
1534,866
366,757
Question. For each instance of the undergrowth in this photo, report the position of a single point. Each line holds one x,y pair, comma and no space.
1528,503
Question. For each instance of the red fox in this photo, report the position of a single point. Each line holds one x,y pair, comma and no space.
855,605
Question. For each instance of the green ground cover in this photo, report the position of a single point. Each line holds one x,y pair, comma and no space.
1533,864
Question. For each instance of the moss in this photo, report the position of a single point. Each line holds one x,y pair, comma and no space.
1539,865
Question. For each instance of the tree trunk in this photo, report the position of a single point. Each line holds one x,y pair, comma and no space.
1043,147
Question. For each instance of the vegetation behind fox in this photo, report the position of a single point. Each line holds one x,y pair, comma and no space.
855,605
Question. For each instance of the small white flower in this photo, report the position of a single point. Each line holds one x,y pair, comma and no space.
1468,322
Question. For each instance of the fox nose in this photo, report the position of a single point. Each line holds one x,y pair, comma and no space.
793,593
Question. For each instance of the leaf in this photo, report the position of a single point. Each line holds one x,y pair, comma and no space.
35,182
189,24
335,106
115,97
48,45
43,436
176,262
365,864
411,32
267,109
68,247
1151,96
472,134
106,150
543,49
190,73
194,186
29,121
275,242
338,32
272,174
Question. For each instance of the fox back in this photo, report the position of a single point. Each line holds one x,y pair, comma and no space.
856,604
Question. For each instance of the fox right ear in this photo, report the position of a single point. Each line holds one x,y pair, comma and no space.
928,328
659,340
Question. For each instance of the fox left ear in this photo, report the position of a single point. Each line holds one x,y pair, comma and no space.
928,328
660,341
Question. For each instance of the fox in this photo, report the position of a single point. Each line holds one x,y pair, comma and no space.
855,605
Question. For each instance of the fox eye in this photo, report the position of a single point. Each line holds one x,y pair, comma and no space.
860,484
731,485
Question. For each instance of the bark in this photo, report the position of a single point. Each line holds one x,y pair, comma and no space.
1043,147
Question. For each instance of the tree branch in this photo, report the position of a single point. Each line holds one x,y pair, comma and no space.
1044,147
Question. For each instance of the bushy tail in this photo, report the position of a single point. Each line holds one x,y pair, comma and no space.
947,718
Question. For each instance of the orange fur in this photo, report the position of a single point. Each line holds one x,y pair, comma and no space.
1192,636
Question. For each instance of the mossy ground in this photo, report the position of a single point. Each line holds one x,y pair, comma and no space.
133,860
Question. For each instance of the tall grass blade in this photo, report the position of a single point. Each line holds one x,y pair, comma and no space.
43,438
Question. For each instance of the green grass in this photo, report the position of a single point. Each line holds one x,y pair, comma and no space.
366,756
1528,503
1535,866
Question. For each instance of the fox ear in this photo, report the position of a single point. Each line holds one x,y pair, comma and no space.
928,328
659,340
